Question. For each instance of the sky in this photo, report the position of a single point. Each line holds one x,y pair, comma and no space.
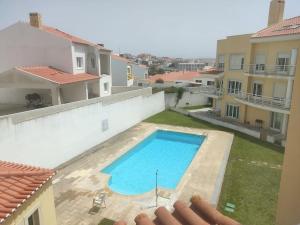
176,28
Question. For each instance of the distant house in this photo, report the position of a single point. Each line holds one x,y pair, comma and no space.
181,78
127,73
26,196
122,71
59,67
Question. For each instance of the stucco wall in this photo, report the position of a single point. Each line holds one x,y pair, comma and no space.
23,45
119,73
43,199
74,92
50,136
139,72
191,99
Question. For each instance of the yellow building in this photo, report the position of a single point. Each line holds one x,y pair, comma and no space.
258,75
26,195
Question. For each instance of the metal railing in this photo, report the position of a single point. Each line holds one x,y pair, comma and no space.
273,102
277,70
210,90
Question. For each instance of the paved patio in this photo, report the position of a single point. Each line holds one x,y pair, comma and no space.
80,179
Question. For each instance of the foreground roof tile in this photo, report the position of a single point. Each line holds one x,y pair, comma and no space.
19,182
286,27
199,213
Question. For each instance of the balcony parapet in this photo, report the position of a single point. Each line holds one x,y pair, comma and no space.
280,71
270,103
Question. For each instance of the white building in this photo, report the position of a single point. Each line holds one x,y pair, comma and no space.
191,66
122,71
58,66
127,73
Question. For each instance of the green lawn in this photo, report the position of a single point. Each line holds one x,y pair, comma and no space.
196,107
252,175
106,221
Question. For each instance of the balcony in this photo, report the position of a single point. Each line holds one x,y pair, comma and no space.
280,105
209,91
273,71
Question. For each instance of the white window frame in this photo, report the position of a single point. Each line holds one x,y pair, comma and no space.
106,87
253,88
235,113
237,88
272,123
237,66
37,207
284,68
221,62
78,66
259,66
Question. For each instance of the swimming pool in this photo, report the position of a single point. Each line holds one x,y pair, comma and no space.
167,152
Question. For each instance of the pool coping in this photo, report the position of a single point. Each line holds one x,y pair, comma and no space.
129,148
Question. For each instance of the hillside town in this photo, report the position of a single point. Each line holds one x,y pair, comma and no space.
90,136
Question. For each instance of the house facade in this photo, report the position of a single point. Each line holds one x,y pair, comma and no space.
26,195
56,59
122,70
127,73
259,72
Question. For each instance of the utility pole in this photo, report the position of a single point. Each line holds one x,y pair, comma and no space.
156,188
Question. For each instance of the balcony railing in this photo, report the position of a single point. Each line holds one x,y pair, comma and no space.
272,102
209,90
275,70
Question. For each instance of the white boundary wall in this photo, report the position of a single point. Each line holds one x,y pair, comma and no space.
51,136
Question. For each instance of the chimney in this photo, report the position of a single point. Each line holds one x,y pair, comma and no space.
35,19
276,11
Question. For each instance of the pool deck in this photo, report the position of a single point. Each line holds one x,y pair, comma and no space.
78,180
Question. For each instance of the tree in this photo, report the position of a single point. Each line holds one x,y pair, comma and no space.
159,81
179,95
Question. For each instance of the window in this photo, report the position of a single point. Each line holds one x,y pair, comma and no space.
79,61
260,63
232,111
221,63
276,120
210,83
34,219
199,81
257,89
234,87
283,62
106,87
236,62
93,63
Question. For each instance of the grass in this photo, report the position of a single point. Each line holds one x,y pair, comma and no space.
252,175
196,107
106,221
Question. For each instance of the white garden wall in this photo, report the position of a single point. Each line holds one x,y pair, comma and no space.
51,136
188,99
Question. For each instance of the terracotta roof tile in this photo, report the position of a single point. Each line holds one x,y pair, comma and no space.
174,76
286,27
70,37
120,58
199,212
19,182
57,76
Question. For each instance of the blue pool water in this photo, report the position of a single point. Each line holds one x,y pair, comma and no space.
166,151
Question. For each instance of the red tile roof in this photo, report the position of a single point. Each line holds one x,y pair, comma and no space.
120,58
19,182
286,27
70,37
57,76
174,76
199,212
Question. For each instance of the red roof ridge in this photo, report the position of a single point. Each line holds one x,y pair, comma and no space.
18,182
200,212
56,75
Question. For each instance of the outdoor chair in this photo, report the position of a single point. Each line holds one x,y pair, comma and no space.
99,200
